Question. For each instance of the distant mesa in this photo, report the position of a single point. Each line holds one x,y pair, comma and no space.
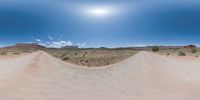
190,46
70,47
27,46
167,47
103,48
37,46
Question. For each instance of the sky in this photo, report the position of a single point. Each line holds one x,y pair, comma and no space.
100,23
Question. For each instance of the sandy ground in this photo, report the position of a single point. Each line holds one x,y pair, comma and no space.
10,56
188,57
145,76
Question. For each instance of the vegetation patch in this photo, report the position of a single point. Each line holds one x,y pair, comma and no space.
155,48
194,50
181,53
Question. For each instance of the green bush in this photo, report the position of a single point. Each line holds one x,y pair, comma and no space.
194,50
155,48
181,53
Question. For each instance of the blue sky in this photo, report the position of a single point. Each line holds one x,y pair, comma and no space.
97,23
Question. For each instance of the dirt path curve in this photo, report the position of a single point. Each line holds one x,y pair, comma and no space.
145,76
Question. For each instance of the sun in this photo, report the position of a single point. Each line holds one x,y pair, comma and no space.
99,12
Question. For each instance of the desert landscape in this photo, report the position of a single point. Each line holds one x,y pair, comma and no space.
99,50
97,57
33,73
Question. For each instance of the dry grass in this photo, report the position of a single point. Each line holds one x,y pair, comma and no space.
13,52
95,57
92,57
187,51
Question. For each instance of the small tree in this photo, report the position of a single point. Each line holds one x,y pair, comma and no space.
155,48
194,50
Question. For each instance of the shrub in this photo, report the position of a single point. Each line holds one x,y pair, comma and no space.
86,61
16,53
3,53
107,63
81,60
181,53
168,53
155,48
63,55
65,58
194,50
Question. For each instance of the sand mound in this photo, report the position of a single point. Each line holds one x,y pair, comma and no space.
145,76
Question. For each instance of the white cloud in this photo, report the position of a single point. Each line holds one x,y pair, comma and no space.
198,45
142,45
38,40
50,38
57,44
81,44
48,42
43,44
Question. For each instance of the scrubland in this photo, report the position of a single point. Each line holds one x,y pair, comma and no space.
100,56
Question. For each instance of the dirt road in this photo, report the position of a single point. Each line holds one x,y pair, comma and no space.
145,76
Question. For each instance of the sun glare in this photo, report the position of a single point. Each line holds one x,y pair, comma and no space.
99,12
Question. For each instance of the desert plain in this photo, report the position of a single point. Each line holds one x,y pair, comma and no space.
99,74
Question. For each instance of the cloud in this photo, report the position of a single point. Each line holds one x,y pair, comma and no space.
38,40
198,45
57,44
50,38
60,44
43,44
142,45
81,44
